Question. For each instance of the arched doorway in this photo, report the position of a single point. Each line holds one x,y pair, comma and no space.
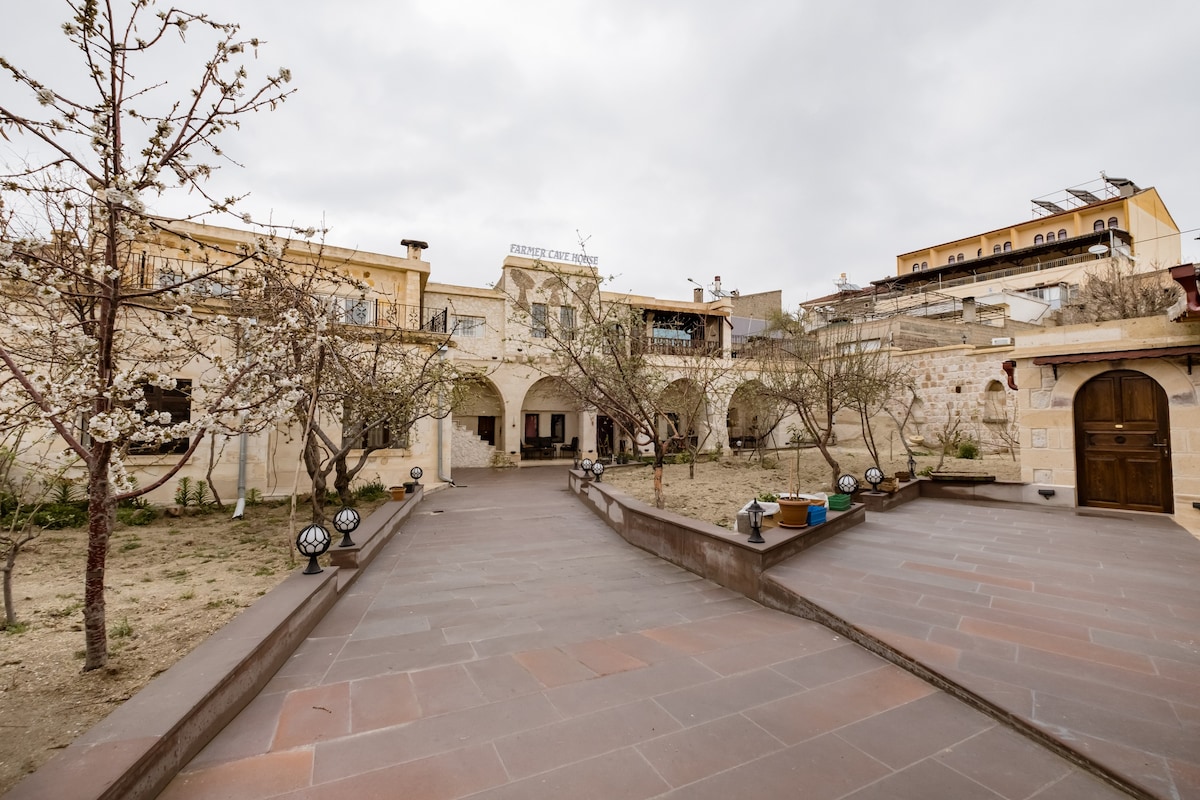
1122,443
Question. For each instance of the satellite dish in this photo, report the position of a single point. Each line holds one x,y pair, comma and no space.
1098,249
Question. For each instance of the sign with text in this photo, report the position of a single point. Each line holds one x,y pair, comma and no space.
553,255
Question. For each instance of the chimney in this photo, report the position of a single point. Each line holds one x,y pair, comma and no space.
697,295
968,309
414,248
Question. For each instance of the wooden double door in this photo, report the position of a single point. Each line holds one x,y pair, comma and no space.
1123,443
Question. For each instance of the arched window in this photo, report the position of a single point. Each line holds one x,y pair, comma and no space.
924,266
996,248
979,253
916,267
1050,236
1112,222
995,403
960,257
1039,238
1098,225
950,260
1062,234
1007,246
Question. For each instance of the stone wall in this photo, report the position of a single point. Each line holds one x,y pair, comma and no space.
468,450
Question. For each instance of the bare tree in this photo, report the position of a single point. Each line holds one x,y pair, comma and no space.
822,373
92,332
1117,291
23,490
601,353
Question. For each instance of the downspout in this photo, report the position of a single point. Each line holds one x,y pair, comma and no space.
441,426
240,510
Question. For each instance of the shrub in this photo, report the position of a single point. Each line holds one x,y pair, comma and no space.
968,449
141,515
56,516
373,490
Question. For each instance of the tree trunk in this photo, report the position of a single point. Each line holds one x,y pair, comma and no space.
10,611
101,512
312,462
660,499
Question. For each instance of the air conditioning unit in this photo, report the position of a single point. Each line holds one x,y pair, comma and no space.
1001,340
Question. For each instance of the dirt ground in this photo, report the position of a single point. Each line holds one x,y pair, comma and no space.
721,488
169,585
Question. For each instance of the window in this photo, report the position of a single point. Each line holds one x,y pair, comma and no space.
566,321
995,249
961,257
1039,238
469,327
1098,225
950,260
1007,246
1112,222
539,320
177,403
356,311
995,403
379,437
558,427
979,253
924,265
1062,234
1050,236
532,422
916,267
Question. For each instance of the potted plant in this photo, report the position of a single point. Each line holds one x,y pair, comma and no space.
397,492
793,510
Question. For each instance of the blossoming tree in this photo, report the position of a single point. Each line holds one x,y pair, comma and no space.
93,330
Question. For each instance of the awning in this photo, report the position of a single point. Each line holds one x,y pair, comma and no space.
1119,355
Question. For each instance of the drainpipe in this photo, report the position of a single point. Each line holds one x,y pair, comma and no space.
240,509
441,427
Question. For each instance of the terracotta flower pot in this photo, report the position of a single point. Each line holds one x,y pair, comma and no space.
793,513
397,492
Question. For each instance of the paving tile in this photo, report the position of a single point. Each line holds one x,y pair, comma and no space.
832,706
621,774
628,686
703,750
1006,762
554,667
728,695
844,660
602,658
924,780
252,778
579,738
930,724
311,715
382,701
823,768
445,776
442,689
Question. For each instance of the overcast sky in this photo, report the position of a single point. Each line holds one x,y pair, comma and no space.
776,144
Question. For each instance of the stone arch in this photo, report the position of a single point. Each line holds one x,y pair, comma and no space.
478,432
752,417
1122,442
550,420
687,408
1181,392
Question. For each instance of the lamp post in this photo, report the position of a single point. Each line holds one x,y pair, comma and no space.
312,542
415,473
847,484
586,466
346,521
874,476
597,470
756,517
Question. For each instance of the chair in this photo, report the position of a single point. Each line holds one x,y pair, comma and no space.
572,448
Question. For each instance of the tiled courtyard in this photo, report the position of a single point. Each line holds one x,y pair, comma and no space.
506,644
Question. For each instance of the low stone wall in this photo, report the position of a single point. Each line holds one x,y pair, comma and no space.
134,752
721,555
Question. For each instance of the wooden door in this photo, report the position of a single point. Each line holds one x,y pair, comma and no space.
487,430
1122,443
